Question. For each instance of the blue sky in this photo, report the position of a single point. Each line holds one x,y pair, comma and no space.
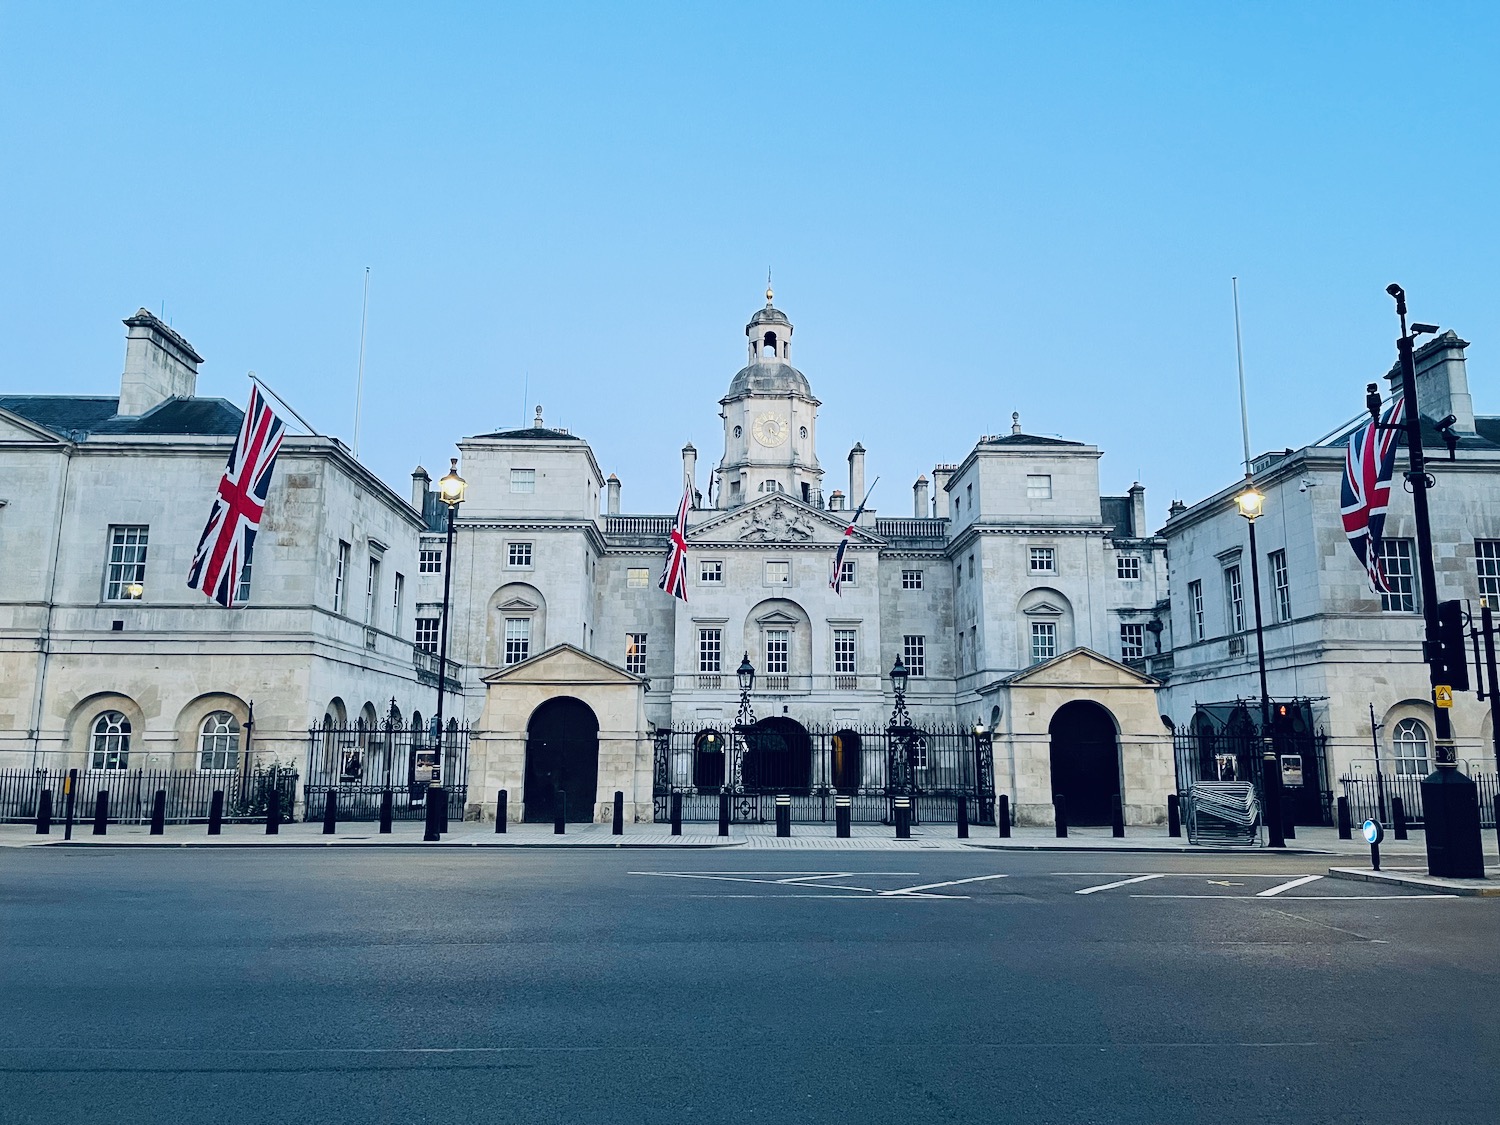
970,210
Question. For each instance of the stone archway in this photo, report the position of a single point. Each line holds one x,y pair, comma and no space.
562,761
1085,758
778,757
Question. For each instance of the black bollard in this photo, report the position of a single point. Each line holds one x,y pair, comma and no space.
1117,821
783,814
1174,815
502,812
903,818
1060,812
619,826
44,813
101,812
1346,824
273,812
1497,819
1002,815
1398,816
677,814
159,813
1288,820
216,813
963,817
330,811
387,798
841,811
70,796
443,812
560,814
432,829
723,814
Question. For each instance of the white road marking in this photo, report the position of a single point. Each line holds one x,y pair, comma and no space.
1272,892
1193,874
1301,898
852,898
1117,883
934,886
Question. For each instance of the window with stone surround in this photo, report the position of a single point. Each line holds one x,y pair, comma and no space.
1132,641
914,655
125,569
517,639
635,653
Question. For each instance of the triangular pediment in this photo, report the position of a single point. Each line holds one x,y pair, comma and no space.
13,427
1081,668
1043,609
780,519
564,664
777,617
518,605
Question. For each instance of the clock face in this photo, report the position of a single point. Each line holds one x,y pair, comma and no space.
769,430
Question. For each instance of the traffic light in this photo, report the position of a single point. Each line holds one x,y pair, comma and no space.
1450,660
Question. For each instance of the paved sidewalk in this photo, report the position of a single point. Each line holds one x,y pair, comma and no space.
1418,878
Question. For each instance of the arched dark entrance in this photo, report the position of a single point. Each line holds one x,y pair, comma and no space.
845,765
708,762
1085,761
562,757
778,757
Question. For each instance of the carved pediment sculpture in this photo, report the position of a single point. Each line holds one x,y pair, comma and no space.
777,527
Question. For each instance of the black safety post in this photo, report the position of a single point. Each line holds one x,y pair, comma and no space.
723,814
159,813
442,809
101,812
1497,819
216,813
70,795
1117,821
841,810
432,830
903,818
386,800
273,812
783,815
1002,815
1288,821
502,812
963,817
1346,825
1398,817
330,811
677,814
44,813
560,814
1174,815
1374,855
1060,811
1373,833
618,828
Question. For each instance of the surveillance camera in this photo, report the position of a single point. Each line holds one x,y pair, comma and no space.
1306,484
1394,290
1424,329
1451,420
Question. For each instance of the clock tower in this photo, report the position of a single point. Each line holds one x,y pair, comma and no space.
770,421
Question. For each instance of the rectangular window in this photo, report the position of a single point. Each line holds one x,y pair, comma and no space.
242,592
1043,560
914,655
1195,607
1043,641
397,596
520,555
339,576
1039,486
1128,567
372,587
843,652
778,574
523,480
430,561
911,579
427,634
710,651
1487,562
969,492
517,639
1234,599
971,566
1396,557
711,572
125,570
1281,585
637,578
635,653
1132,642
778,651
848,572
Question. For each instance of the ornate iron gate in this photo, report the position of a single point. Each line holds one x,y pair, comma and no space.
360,762
1224,744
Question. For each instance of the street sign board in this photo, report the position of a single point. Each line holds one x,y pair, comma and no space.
1291,770
1444,695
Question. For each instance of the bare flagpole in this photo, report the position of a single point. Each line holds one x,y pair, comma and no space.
258,381
359,388
1239,354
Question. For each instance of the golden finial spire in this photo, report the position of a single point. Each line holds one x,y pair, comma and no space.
769,294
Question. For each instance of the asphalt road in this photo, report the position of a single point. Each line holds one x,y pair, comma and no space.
334,986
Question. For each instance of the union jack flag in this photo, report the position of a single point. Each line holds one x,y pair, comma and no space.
1366,490
674,577
837,581
235,517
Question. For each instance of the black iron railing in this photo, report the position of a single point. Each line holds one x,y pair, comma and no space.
360,761
1370,798
132,793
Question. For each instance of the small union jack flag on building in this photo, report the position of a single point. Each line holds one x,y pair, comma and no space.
674,576
1366,490
237,509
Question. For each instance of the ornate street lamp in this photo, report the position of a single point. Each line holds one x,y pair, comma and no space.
745,673
899,677
451,491
1251,503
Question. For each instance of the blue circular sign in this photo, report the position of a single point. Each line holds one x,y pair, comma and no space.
1374,833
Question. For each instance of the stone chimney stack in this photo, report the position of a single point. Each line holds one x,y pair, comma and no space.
1176,509
856,474
941,475
420,483
1442,381
690,469
921,506
159,364
612,495
836,501
1137,496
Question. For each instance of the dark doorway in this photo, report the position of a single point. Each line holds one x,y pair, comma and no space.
846,746
708,762
562,758
778,757
1085,761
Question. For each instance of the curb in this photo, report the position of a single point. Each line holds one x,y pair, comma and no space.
1161,849
354,844
1467,889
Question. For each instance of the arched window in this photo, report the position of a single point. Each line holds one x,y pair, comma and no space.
219,742
768,346
708,761
1409,741
111,742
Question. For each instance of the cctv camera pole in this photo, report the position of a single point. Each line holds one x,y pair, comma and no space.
1450,800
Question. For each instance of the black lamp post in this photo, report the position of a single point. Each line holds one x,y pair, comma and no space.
899,676
1252,504
899,731
745,673
451,492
